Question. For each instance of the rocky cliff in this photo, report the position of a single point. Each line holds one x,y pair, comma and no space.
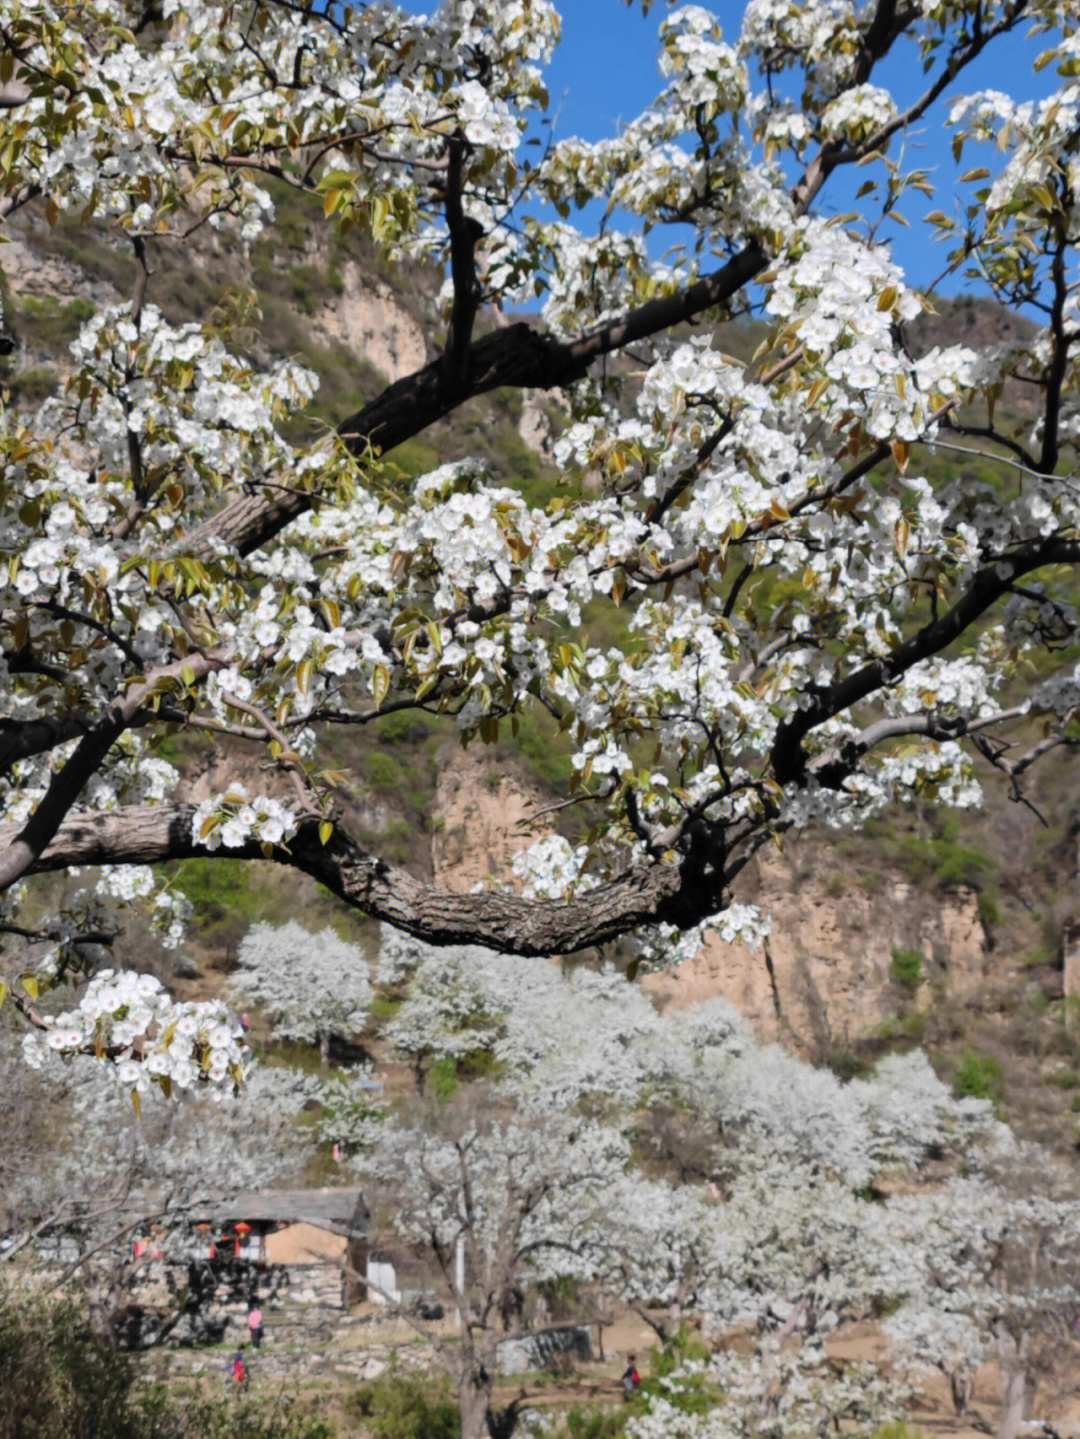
831,972
851,945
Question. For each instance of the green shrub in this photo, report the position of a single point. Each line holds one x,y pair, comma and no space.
37,384
222,895
847,1064
59,1381
897,1430
978,1076
384,1007
686,1345
946,863
443,1079
905,968
382,770
989,909
406,727
405,1406
46,322
589,1421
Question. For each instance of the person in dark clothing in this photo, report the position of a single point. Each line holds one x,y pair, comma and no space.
631,1380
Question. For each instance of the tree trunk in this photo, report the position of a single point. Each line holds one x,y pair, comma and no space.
474,1402
1012,1357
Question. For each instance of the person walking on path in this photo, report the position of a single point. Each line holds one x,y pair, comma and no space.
255,1324
237,1369
631,1379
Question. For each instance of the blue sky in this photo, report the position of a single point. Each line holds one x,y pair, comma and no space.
605,72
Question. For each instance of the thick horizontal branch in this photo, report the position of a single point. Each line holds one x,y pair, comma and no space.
645,894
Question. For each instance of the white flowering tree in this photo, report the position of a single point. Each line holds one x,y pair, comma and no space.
104,1174
313,986
804,1394
497,1199
786,1237
985,1270
820,627
553,1037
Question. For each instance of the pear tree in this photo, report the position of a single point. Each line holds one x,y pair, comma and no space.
819,624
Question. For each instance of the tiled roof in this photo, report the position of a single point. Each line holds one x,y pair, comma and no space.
340,1211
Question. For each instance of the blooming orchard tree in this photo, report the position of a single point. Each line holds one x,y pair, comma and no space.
788,1239
103,1174
817,627
552,1037
497,1198
986,1269
313,986
803,1394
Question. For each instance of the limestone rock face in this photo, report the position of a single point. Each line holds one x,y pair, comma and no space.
534,427
484,818
366,318
822,979
30,271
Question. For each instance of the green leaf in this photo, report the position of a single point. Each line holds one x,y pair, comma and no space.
187,674
3,993
337,180
30,984
380,211
380,683
326,829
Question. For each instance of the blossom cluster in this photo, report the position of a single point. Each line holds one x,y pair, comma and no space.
147,1037
235,818
857,114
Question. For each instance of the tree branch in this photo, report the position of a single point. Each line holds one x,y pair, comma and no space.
19,849
987,585
644,894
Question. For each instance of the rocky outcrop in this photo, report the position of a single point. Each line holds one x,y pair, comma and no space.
534,426
29,270
485,815
826,975
366,318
